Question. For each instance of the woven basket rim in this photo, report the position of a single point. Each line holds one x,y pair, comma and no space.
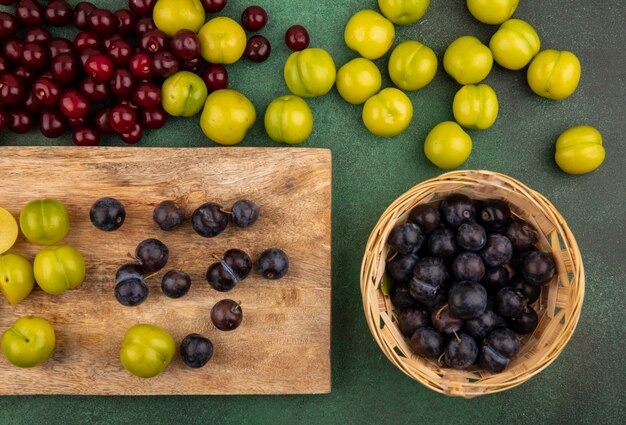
564,296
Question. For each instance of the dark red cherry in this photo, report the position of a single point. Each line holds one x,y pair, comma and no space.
81,14
258,48
254,18
142,7
192,65
213,6
101,21
99,67
141,66
4,65
29,13
125,21
87,53
102,121
185,44
154,41
33,56
20,121
73,104
26,75
52,123
78,122
153,119
47,92
65,68
8,25
215,77
122,83
86,39
122,118
147,95
12,50
58,13
94,90
58,46
120,52
132,136
165,64
37,35
86,136
297,38
31,105
143,25
12,91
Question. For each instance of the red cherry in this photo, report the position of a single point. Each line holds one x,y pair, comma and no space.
258,48
132,136
120,52
58,46
215,77
186,45
58,13
33,56
46,92
78,122
65,68
213,6
125,21
81,14
192,65
86,136
73,104
52,123
29,13
24,74
122,118
142,7
147,95
153,119
12,91
101,21
31,105
254,18
297,38
85,40
4,65
20,121
141,65
165,64
37,35
154,41
102,121
122,83
13,50
144,24
95,90
100,67
8,25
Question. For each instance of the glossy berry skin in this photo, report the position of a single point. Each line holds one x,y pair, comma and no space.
12,50
65,68
58,46
244,213
78,122
101,119
122,118
468,266
120,52
493,214
31,105
175,283
147,95
422,291
471,236
479,327
168,215
238,261
467,300
94,90
521,234
154,41
410,319
154,119
85,40
254,18
165,64
81,14
4,65
37,35
141,66
58,13
427,342
152,255
215,76
73,104
125,21
12,91
132,136
400,267
444,321
29,13
8,25
258,49
509,302
52,123
33,56
209,220
538,268
20,121
457,209
192,65
429,275
129,271
273,264
221,278
24,74
495,278
525,323
497,251
492,360
185,45
213,6
142,7
131,292
442,243
400,296
46,92
462,353
144,25
99,67
107,214
426,216
504,341
530,292
297,38
226,315
405,238
102,21
86,136
196,350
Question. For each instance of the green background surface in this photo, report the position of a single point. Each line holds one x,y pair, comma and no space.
586,383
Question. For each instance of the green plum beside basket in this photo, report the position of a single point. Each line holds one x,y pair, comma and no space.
558,306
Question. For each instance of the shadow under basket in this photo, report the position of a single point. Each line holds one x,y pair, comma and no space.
558,307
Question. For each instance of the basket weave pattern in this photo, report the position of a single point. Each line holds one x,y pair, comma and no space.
558,307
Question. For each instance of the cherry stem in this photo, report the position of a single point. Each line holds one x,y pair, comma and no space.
438,314
392,257
217,257
226,211
150,275
456,335
439,359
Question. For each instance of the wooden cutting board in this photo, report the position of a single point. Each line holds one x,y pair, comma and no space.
283,343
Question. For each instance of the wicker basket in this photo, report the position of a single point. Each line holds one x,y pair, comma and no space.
558,307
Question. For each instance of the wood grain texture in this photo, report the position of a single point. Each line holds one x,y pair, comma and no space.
283,344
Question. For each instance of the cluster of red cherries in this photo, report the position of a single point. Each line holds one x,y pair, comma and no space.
101,83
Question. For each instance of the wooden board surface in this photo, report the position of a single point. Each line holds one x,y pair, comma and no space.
283,343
